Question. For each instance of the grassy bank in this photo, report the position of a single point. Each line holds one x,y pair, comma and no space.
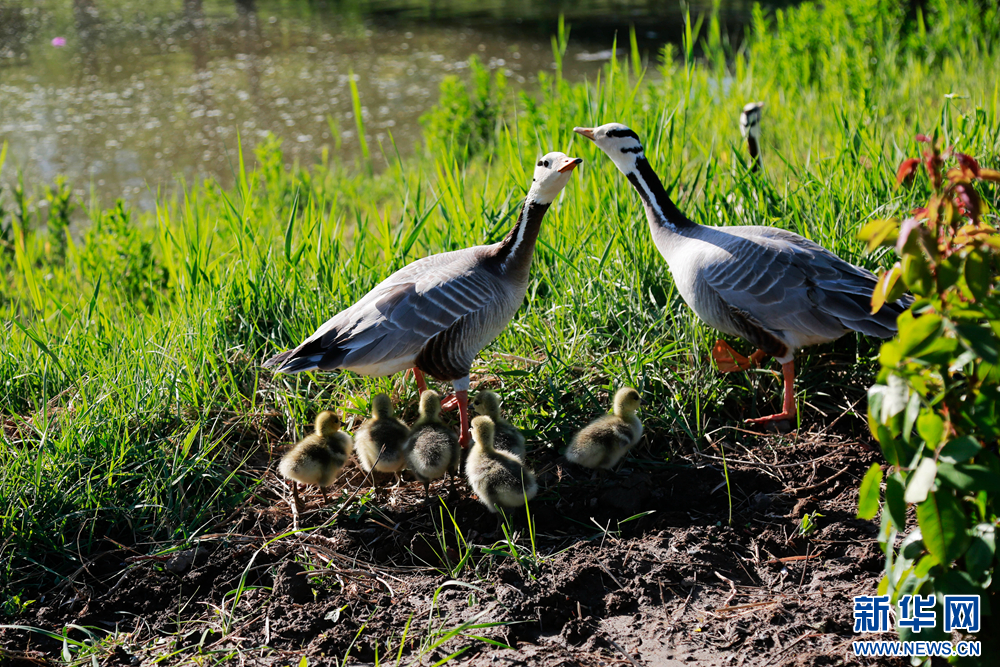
132,403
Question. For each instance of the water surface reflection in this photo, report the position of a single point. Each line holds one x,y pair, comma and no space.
123,96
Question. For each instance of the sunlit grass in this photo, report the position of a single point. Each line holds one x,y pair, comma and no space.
131,395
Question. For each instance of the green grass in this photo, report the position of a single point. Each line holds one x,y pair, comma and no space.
131,397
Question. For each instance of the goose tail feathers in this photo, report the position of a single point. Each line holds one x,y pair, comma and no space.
309,356
881,324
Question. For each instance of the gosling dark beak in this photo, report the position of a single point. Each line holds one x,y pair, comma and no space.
585,131
570,164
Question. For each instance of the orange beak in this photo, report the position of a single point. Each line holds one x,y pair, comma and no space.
585,131
570,164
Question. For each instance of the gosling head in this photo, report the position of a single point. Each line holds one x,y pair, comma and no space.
327,423
430,404
626,402
487,403
552,173
750,120
381,406
482,431
620,143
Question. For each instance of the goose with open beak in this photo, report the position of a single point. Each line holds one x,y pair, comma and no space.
771,287
435,314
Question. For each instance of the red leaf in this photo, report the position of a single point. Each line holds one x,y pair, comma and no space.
906,169
968,200
968,163
923,138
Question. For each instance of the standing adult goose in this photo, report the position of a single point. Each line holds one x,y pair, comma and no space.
435,314
772,288
750,128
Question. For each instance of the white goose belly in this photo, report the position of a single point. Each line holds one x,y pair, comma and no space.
686,266
384,367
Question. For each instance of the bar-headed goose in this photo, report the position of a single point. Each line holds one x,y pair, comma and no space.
507,437
380,440
603,442
435,314
498,478
318,458
750,128
771,287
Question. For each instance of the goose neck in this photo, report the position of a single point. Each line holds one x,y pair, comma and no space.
754,149
517,248
660,209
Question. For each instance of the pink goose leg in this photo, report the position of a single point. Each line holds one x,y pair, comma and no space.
418,375
460,399
788,405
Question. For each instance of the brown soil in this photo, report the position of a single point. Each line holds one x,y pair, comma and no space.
682,584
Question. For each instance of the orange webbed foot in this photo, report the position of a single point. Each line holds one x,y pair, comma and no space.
779,417
727,359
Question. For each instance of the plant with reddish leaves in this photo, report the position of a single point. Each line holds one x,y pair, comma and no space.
935,409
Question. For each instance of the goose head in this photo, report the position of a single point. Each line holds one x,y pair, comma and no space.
327,423
620,143
430,404
552,172
486,403
381,406
626,402
750,120
482,431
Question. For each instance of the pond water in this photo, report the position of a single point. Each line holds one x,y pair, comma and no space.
128,97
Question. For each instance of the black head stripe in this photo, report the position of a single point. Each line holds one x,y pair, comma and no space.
624,132
632,149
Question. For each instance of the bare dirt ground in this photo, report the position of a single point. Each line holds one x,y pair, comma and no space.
681,583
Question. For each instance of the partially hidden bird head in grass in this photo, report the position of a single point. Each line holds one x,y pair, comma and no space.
552,172
327,423
750,119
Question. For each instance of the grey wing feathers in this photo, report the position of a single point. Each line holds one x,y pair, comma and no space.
788,283
397,317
